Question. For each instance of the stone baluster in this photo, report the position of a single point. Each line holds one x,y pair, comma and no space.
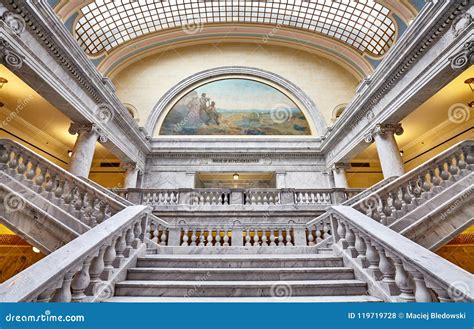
422,293
361,249
201,238
163,237
209,238
63,294
403,281
373,259
272,238
317,230
453,167
225,241
388,272
193,237
128,242
96,269
109,258
264,238
288,238
310,237
156,233
185,242
350,238
280,237
247,238
81,281
255,238
120,246
341,232
45,296
137,231
326,228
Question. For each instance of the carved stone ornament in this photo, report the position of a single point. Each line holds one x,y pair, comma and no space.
461,23
465,58
383,129
9,57
79,128
341,165
14,21
128,165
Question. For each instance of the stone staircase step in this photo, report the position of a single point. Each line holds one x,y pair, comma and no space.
239,261
293,299
240,274
204,288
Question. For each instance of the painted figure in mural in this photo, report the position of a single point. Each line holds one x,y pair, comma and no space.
211,111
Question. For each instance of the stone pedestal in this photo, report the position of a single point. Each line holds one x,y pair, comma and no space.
387,149
83,152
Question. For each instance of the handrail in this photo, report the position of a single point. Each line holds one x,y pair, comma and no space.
400,267
388,203
52,182
76,269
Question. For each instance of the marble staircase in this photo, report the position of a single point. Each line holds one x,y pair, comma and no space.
242,277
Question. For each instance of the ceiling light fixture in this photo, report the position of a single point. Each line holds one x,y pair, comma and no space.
2,82
236,176
470,83
36,250
69,153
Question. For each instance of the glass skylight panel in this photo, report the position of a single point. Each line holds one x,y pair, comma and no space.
346,22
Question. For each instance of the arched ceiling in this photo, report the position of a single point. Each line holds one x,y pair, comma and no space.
364,28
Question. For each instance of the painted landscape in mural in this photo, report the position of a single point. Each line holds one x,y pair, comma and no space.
235,107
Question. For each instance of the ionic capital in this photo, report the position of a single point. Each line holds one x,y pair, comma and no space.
384,129
128,165
10,57
465,58
341,165
86,127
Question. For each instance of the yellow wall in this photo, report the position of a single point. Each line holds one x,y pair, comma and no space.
144,82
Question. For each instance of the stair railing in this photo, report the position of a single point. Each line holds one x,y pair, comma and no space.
55,184
396,268
407,192
85,269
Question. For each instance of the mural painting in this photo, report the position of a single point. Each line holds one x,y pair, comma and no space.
235,107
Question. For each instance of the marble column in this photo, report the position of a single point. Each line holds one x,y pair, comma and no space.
339,173
131,175
387,148
83,152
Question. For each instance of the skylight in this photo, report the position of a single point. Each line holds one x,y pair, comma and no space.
364,24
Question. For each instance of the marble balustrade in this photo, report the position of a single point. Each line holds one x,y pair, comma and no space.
399,269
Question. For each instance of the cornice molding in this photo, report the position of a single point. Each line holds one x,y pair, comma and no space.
51,33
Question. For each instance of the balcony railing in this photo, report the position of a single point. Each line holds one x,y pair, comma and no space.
224,198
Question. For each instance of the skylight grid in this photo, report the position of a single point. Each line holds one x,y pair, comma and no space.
363,24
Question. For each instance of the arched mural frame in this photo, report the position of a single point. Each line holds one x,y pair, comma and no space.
159,110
